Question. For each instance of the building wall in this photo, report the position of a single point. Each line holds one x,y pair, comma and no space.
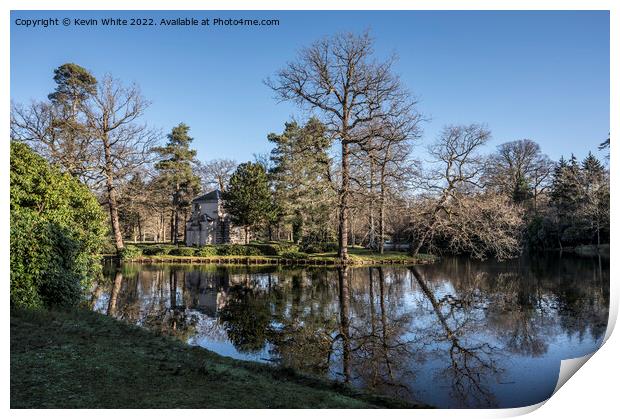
219,231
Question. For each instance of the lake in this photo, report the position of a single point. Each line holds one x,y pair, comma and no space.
457,333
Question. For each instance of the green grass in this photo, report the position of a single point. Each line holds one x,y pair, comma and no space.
81,359
357,255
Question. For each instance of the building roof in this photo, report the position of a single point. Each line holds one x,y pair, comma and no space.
214,195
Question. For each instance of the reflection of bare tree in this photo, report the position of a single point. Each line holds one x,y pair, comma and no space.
345,332
470,362
382,356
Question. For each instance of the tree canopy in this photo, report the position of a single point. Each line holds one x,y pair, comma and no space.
248,198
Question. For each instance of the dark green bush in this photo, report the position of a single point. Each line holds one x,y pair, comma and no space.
183,251
57,229
319,247
130,252
158,249
237,250
206,251
274,249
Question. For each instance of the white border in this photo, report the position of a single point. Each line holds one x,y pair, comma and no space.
592,393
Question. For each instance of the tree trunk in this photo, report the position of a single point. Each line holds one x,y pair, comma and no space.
247,234
140,231
372,244
382,214
343,221
175,228
112,203
185,225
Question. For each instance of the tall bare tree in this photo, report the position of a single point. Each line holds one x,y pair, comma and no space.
125,145
519,169
90,129
215,173
339,78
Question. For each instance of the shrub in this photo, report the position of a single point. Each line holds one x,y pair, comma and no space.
237,250
183,251
57,229
274,249
319,247
206,251
130,252
158,249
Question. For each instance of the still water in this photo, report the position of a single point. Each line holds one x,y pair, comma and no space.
458,333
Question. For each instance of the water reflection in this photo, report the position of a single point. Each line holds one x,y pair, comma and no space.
457,333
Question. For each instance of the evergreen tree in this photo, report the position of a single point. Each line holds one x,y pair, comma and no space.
593,170
248,198
566,187
301,178
566,200
176,173
522,190
595,206
74,84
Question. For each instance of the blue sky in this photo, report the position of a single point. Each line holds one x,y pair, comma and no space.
537,75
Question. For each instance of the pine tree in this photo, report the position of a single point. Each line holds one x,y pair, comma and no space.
595,206
176,174
301,178
248,199
522,190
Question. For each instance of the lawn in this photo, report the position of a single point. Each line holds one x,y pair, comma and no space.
81,359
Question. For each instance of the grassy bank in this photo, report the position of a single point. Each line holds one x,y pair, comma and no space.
266,253
81,359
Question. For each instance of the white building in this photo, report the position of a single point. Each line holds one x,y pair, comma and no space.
209,223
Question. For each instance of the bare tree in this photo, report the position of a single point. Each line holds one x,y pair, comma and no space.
216,173
125,145
338,77
519,169
393,160
454,208
68,145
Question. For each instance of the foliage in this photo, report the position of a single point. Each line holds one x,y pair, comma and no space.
157,249
183,251
237,250
176,172
274,249
301,178
206,251
74,84
310,246
57,228
248,199
129,252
